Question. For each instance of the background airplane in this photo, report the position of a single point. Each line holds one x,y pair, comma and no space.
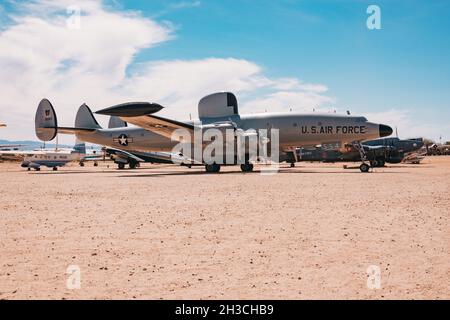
439,149
219,111
378,152
51,158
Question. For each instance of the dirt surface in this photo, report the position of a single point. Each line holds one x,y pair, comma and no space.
167,232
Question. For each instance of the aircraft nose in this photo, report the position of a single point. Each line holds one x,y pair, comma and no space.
385,131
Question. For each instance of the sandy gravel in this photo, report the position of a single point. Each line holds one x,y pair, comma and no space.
176,233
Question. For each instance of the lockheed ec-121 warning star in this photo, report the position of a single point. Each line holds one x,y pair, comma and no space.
218,113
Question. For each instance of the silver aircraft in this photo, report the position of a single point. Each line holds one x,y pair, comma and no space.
216,111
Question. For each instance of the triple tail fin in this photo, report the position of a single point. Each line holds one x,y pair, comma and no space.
46,122
116,122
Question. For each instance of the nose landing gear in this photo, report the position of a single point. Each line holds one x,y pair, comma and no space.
364,167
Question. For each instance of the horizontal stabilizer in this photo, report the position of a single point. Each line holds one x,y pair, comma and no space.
131,109
69,130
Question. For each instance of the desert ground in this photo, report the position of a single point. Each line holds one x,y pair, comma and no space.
168,232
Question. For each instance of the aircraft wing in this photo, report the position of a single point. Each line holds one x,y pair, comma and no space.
160,125
67,130
368,148
123,154
142,115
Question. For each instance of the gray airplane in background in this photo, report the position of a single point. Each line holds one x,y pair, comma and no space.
378,152
216,111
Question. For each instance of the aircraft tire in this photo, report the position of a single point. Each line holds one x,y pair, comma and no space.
38,169
121,166
133,165
81,164
374,163
364,167
248,167
55,168
292,165
95,164
212,168
29,169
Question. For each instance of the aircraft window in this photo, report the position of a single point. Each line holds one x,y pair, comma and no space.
361,119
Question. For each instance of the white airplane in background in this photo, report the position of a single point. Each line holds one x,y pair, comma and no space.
51,158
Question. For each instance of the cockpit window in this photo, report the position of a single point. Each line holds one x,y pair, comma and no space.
361,119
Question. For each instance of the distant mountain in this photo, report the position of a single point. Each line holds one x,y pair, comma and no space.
32,145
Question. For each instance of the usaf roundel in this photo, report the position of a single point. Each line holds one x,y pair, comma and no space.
123,140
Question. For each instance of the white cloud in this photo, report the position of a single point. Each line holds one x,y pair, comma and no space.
407,125
41,57
185,4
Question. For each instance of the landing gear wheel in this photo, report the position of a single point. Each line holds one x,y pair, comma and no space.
292,165
133,165
55,168
38,169
248,167
81,164
212,168
95,164
29,169
364,167
121,166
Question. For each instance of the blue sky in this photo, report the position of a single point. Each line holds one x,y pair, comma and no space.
406,64
399,73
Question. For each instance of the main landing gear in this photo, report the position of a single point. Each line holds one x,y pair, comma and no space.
215,168
132,165
247,167
212,168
